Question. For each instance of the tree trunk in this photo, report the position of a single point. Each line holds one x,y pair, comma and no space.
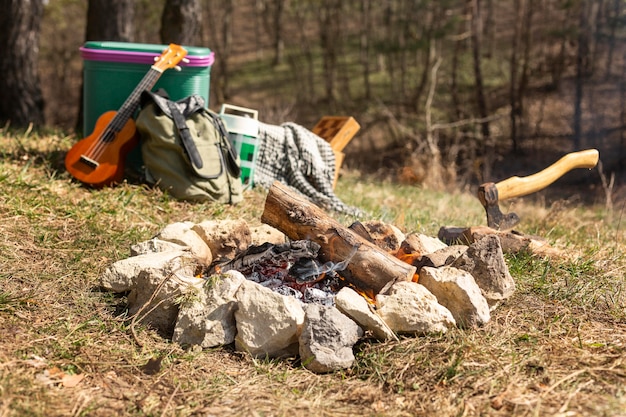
622,114
514,113
110,20
181,21
221,38
435,177
582,56
525,44
302,15
489,30
272,15
278,41
364,51
21,100
479,87
613,24
330,19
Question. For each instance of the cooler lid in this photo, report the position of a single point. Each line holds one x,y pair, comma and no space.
240,120
141,53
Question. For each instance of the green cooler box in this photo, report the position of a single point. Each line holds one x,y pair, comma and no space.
112,70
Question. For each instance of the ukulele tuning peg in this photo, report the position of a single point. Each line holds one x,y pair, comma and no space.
177,68
185,60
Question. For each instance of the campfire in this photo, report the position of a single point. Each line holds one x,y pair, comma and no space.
291,268
303,284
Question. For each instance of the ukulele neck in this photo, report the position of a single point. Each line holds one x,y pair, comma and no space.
131,103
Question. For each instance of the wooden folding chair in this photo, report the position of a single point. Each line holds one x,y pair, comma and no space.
338,132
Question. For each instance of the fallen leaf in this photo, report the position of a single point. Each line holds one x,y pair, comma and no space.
379,406
55,372
498,401
70,381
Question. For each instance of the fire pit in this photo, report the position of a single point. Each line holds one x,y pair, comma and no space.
313,288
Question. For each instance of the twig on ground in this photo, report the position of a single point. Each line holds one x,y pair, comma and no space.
136,316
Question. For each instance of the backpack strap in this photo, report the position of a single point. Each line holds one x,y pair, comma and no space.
185,136
231,155
161,99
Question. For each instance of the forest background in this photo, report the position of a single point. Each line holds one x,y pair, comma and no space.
447,92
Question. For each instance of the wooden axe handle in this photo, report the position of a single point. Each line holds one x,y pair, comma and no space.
520,186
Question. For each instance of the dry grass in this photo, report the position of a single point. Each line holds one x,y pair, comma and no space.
556,348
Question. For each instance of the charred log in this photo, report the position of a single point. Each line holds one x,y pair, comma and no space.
367,267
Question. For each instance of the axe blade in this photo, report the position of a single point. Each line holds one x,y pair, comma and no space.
502,221
488,196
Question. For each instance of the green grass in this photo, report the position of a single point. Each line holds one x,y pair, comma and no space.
555,348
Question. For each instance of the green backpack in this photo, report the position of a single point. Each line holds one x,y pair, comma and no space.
186,151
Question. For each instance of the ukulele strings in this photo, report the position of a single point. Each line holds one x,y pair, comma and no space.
115,126
97,149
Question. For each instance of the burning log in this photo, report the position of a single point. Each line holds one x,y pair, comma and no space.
369,268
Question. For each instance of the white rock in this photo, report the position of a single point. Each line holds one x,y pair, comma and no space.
209,319
122,276
410,308
225,238
484,260
156,278
266,233
457,290
353,305
268,324
421,244
182,233
156,245
327,339
441,257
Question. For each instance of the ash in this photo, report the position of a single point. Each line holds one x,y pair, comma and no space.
290,269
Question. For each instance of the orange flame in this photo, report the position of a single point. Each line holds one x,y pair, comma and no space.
368,294
409,258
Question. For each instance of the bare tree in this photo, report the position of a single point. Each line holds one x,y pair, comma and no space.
21,101
220,36
476,31
613,22
303,13
110,20
273,16
582,56
365,45
489,29
519,66
330,20
181,21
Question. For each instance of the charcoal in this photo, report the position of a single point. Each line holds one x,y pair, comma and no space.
291,269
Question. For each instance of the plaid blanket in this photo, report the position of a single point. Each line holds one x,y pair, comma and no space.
299,158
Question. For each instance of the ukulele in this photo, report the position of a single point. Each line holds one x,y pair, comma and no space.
98,159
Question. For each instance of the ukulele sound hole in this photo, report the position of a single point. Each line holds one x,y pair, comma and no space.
88,161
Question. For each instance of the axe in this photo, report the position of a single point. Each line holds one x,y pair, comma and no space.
491,193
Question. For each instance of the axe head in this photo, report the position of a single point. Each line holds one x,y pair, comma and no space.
488,196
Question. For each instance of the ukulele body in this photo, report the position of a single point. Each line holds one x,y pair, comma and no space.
97,162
